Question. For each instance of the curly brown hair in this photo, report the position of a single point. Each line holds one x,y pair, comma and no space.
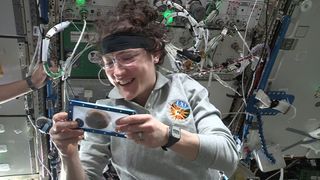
136,17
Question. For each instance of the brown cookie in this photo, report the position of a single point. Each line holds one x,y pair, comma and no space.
97,119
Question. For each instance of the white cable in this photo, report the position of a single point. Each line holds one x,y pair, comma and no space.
206,39
260,47
29,118
36,54
294,112
45,167
211,46
80,37
65,94
46,41
235,116
247,26
197,28
45,49
172,54
76,57
68,66
225,84
243,40
74,25
57,28
213,43
235,113
211,16
281,174
288,166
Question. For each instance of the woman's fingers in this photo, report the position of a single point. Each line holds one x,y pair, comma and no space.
61,116
67,134
63,125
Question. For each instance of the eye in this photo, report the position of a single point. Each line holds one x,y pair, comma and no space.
108,62
127,57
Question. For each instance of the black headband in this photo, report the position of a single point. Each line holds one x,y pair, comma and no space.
121,41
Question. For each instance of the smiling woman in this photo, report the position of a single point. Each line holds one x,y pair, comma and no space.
132,71
177,131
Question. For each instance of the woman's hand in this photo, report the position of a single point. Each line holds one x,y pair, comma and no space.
144,129
65,135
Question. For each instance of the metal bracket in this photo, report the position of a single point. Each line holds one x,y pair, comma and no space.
275,96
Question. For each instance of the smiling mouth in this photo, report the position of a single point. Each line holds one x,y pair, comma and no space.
124,82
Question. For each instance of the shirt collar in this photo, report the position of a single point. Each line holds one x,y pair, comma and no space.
160,82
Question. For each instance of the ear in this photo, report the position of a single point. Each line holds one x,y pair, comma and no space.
155,59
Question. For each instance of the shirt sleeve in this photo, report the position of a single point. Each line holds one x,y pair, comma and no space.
217,146
94,154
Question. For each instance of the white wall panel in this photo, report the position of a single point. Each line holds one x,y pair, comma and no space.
298,75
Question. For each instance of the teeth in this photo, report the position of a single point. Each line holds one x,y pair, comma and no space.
124,82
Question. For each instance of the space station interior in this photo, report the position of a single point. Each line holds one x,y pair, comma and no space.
257,58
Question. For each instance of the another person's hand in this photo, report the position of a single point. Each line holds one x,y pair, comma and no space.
38,76
65,135
144,129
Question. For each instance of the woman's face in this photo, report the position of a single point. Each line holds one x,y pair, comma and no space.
133,72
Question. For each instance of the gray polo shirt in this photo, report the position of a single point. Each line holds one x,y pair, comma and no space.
196,114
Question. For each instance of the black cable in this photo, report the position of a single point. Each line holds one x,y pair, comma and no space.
69,85
265,41
266,36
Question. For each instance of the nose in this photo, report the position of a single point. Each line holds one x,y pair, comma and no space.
118,70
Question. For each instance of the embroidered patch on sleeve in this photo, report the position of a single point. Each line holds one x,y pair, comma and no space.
179,110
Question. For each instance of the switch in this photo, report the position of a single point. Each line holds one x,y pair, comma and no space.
4,167
3,148
88,93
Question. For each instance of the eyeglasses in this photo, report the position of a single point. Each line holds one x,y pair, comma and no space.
123,58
